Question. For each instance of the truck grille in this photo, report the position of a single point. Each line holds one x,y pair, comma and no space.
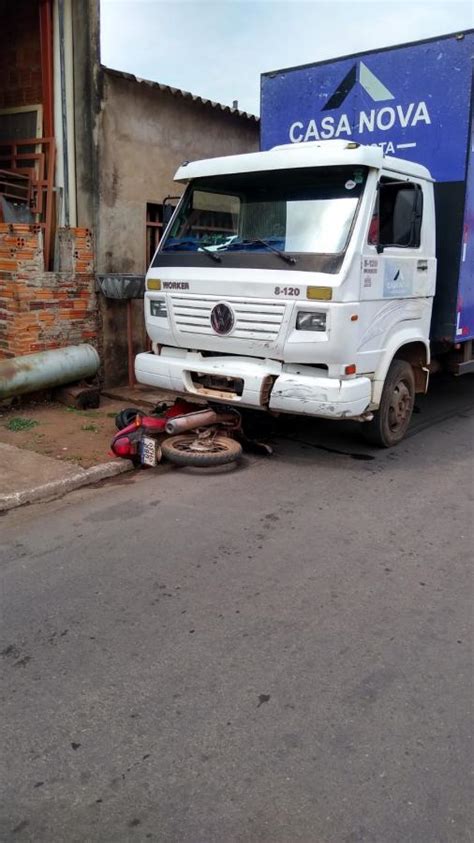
255,320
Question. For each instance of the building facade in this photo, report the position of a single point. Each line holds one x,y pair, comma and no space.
145,131
87,156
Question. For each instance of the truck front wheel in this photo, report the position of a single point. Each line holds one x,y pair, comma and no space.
391,422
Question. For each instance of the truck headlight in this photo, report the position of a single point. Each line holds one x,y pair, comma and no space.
158,308
309,321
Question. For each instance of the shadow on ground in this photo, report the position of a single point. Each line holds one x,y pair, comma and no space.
447,397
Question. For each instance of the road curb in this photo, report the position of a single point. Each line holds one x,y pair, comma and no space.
57,488
117,395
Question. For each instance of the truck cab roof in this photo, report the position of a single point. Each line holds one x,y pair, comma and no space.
297,155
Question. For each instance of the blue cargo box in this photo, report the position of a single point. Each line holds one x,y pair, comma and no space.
415,101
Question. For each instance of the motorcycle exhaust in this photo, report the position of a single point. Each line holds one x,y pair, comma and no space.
180,424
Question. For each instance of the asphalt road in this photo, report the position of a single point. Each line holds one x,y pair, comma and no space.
280,653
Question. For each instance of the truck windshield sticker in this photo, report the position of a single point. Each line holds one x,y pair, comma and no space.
350,185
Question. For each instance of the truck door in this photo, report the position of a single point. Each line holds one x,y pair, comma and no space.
399,260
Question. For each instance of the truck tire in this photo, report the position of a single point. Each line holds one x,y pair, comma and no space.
391,421
219,451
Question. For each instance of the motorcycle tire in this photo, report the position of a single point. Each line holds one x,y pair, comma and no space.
220,451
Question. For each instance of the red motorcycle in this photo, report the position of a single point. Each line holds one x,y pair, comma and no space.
180,433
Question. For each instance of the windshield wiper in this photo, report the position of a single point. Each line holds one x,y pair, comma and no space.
282,255
210,253
186,243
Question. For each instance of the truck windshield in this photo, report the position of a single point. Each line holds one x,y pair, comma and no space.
296,211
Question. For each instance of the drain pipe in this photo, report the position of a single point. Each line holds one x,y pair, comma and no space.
46,369
62,66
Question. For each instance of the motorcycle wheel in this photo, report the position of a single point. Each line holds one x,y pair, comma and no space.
188,450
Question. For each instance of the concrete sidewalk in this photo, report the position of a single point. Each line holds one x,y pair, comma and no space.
27,477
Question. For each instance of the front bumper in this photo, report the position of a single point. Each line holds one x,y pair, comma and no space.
266,384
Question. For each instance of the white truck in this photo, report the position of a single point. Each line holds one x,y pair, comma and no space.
301,279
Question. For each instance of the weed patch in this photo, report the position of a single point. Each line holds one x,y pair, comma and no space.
18,423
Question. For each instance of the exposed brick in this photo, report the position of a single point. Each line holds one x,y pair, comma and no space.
42,310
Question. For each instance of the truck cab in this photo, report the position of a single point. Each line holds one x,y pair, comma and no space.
299,280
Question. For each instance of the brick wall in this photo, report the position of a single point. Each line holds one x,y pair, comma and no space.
20,53
43,310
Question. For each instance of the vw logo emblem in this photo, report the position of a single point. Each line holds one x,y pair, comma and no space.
222,319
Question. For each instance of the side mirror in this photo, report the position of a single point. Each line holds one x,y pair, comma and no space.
168,208
168,211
